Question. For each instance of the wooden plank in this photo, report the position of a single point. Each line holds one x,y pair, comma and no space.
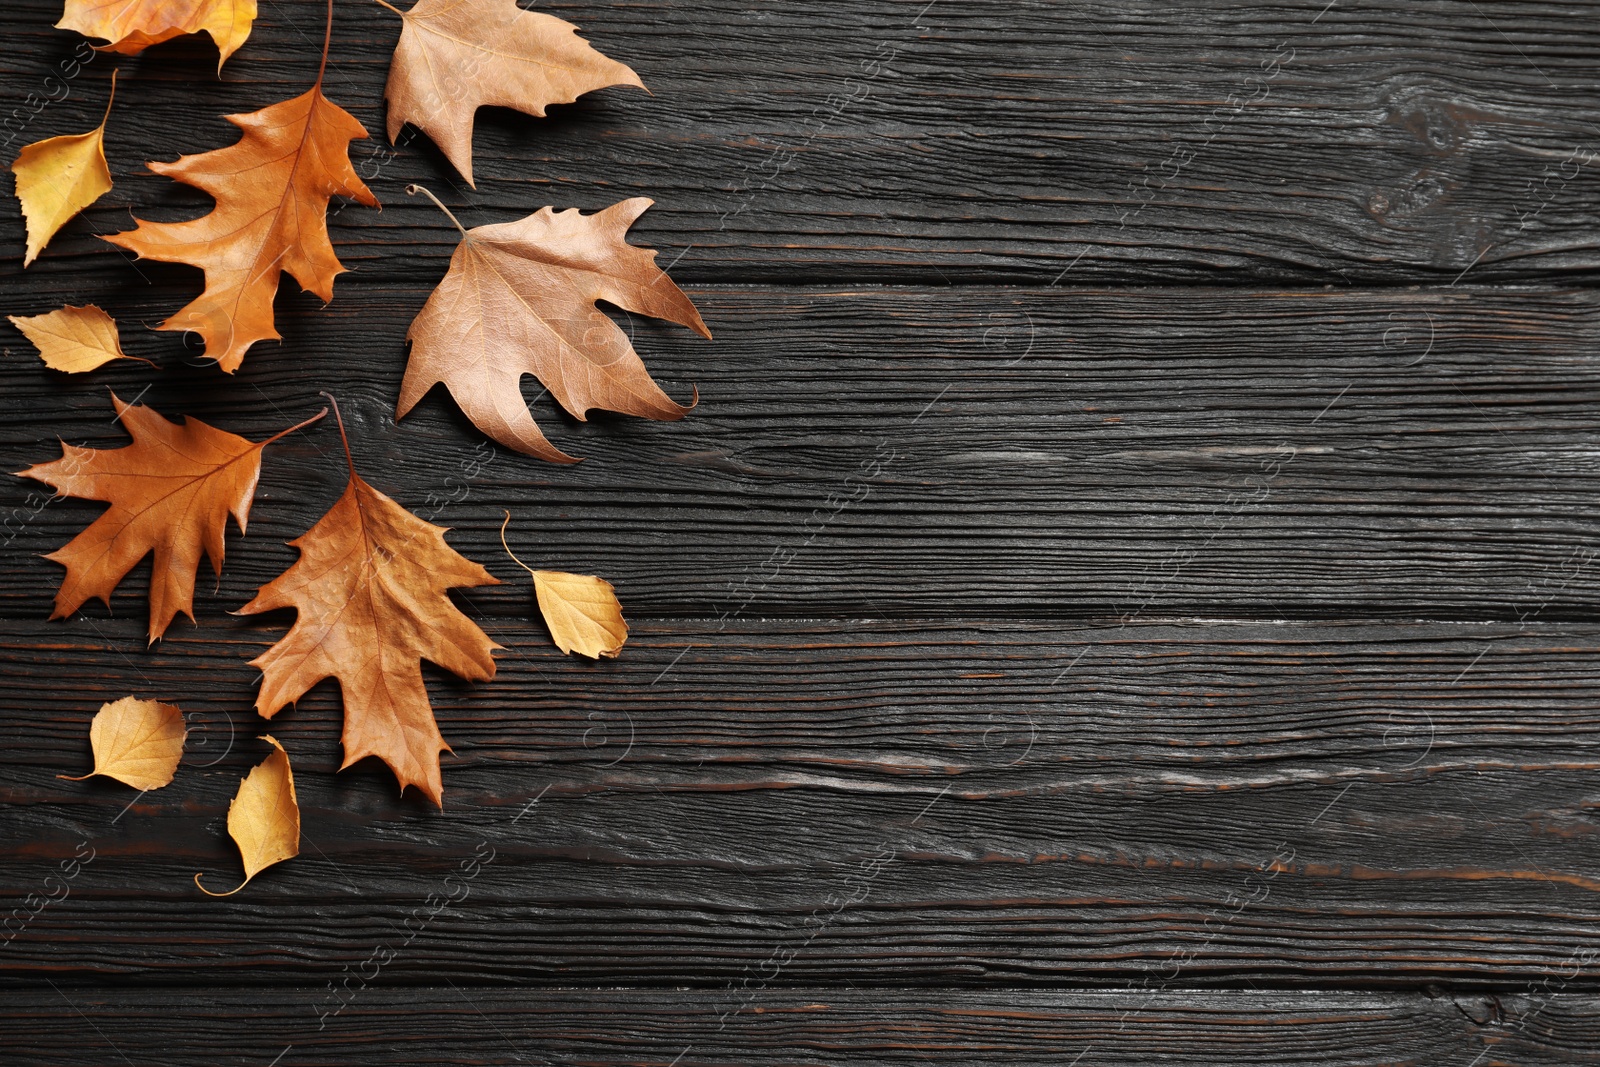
889,802
922,451
909,142
452,1025
1059,768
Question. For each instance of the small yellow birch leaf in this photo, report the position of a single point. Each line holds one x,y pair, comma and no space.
59,177
137,742
582,611
264,818
73,339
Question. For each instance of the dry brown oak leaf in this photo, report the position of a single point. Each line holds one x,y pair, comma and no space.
456,56
371,591
131,26
519,298
170,492
272,190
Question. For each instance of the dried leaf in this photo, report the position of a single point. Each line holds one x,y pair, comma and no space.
170,492
456,56
519,299
264,818
131,26
272,190
371,591
59,177
137,742
582,611
73,339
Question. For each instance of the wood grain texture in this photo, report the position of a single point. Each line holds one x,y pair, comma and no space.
913,451
1263,802
452,1025
902,141
1029,665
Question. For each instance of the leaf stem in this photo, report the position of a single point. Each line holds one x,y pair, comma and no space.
339,418
209,893
413,190
391,7
292,429
510,553
327,39
107,116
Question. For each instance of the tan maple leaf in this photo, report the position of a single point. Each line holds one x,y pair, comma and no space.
264,818
131,26
456,56
170,492
371,592
519,298
272,190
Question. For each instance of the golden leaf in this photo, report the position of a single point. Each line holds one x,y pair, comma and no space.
582,611
264,818
74,339
137,742
59,177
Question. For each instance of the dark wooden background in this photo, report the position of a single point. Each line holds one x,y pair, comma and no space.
1126,596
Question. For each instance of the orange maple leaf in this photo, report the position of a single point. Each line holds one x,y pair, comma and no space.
519,298
170,492
131,26
272,190
371,591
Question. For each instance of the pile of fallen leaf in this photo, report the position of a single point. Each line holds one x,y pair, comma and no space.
371,587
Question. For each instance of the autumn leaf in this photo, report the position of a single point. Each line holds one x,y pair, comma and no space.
264,818
519,298
74,339
131,26
371,591
137,742
170,492
59,177
456,56
272,190
582,611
